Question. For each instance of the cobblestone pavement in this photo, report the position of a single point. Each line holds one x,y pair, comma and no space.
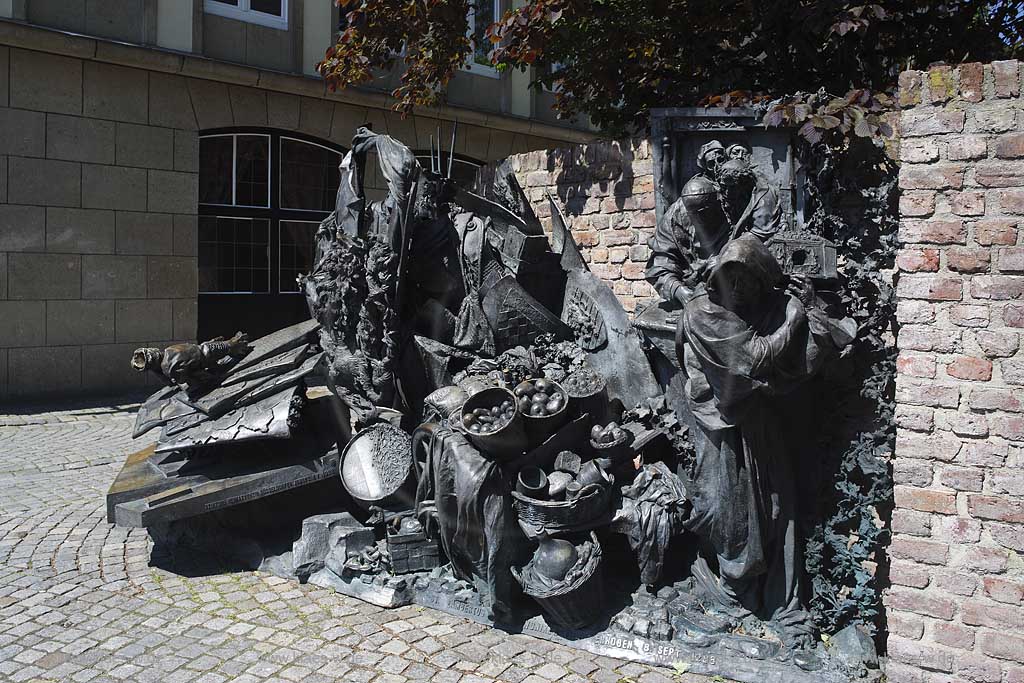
80,602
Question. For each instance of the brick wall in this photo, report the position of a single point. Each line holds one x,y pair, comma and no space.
606,193
955,608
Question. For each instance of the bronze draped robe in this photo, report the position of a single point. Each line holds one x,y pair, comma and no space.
739,373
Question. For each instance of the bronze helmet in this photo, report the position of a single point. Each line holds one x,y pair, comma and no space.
700,197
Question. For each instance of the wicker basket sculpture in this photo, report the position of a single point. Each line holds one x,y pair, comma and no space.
572,604
591,509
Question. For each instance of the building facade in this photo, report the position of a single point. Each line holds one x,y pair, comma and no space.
163,164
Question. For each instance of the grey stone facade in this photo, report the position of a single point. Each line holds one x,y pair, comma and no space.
99,190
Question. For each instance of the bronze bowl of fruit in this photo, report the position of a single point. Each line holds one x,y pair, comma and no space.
543,405
491,421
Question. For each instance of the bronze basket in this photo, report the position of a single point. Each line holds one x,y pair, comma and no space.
590,510
577,604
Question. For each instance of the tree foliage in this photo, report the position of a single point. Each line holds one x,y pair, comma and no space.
612,60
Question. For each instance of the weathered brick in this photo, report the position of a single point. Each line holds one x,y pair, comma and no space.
972,78
957,529
1006,78
616,238
918,150
1010,146
994,120
633,271
997,344
908,574
966,147
1002,645
1004,589
911,312
925,393
967,203
941,85
1008,480
969,368
932,287
925,500
910,88
921,655
933,232
968,260
917,204
916,365
1007,535
915,418
921,602
912,471
982,559
1011,201
914,523
962,424
1008,426
983,453
953,635
1010,259
1000,174
932,122
918,260
952,581
1013,315
969,315
931,177
906,625
993,231
618,254
1013,372
927,552
995,399
997,287
978,669
998,508
990,614
903,673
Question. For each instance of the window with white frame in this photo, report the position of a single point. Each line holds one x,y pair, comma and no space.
482,13
272,13
261,198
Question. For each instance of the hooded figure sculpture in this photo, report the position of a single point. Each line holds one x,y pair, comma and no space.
744,341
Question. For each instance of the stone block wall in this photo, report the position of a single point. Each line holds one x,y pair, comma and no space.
955,609
605,190
99,188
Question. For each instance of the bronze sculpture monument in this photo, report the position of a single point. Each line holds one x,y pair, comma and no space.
452,429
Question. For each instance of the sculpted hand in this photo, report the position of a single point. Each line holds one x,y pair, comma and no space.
801,288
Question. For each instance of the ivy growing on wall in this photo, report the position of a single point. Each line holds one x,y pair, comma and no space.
851,187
